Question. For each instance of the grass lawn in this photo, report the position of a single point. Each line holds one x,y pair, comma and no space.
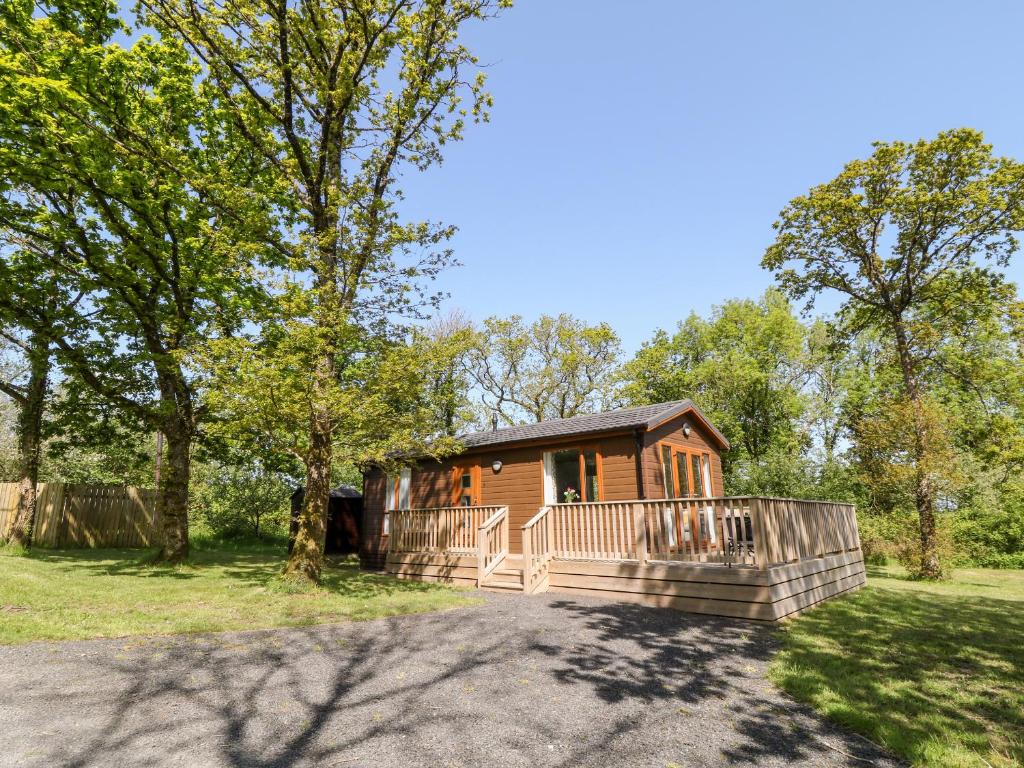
78,594
933,672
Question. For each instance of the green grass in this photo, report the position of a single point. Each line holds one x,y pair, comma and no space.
933,672
79,594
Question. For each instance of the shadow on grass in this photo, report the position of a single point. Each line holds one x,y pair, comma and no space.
252,565
928,674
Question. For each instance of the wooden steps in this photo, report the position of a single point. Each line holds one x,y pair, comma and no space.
504,580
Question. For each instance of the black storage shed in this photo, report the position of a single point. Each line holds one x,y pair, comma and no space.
344,519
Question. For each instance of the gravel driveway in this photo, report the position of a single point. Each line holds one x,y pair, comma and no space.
519,681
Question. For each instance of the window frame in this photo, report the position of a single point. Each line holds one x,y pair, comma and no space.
393,483
703,459
582,449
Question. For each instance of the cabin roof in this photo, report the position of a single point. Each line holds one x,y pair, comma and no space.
644,417
341,492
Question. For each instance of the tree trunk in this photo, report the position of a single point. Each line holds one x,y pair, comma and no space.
30,426
306,559
172,501
931,567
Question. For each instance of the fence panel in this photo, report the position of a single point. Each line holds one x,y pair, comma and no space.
78,515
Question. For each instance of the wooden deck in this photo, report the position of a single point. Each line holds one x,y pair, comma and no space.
748,557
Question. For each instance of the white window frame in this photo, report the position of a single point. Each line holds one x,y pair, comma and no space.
709,511
396,494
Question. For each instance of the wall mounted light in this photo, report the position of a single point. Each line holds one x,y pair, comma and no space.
496,465
686,428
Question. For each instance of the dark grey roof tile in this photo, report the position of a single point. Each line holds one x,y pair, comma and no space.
644,416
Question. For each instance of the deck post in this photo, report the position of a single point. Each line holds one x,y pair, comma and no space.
640,533
480,557
527,559
760,530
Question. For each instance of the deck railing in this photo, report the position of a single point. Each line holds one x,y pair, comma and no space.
750,531
438,530
493,544
538,538
746,530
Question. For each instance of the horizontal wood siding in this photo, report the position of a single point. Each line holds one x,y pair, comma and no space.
519,486
746,593
618,468
432,485
375,544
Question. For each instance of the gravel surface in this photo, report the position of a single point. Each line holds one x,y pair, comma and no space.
518,681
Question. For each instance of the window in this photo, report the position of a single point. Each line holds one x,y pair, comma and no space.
686,474
666,467
572,475
698,483
398,491
684,481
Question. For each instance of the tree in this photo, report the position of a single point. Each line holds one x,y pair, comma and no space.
26,384
261,397
746,367
909,238
338,98
555,368
449,388
95,140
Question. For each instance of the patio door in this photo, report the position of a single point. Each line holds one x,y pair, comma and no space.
687,474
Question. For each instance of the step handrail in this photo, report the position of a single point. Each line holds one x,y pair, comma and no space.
538,538
491,549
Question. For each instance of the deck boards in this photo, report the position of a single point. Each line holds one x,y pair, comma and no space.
741,592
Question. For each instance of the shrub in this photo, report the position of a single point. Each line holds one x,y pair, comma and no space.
239,502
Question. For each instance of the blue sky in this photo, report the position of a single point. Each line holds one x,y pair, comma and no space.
639,152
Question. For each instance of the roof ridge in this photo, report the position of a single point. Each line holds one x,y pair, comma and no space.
664,405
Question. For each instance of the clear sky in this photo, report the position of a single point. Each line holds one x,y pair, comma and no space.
638,152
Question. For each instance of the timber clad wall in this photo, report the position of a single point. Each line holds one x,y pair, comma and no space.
520,484
78,515
754,557
375,544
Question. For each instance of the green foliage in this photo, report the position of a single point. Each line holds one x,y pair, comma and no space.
991,537
240,502
378,403
745,366
913,239
554,368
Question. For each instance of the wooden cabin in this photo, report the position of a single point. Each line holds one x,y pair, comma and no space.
627,504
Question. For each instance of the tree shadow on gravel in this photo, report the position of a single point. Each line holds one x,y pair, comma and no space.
701,665
502,684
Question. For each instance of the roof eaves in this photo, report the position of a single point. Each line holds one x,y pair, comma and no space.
679,409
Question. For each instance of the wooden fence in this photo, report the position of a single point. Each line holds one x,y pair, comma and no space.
78,515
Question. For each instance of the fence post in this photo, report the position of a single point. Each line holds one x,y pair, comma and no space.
640,532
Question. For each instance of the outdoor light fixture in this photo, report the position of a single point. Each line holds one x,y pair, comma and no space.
686,428
496,465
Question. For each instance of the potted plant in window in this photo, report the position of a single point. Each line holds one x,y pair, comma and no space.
570,495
